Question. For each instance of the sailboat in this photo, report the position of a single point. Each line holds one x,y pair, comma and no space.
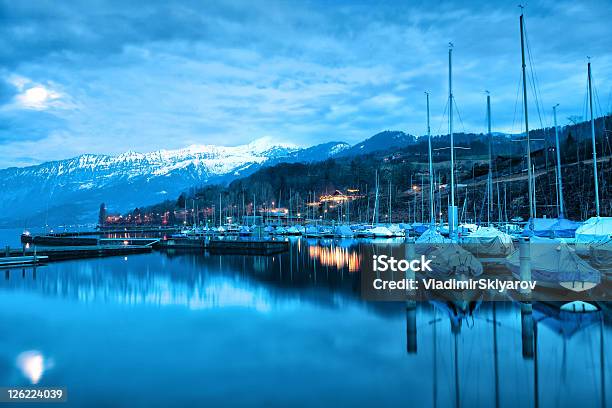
488,241
553,263
430,235
559,227
448,259
377,230
595,235
343,231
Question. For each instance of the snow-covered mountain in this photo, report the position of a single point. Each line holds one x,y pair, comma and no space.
385,140
69,191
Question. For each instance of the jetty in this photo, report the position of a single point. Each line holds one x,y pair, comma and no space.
79,240
61,253
247,247
217,246
18,261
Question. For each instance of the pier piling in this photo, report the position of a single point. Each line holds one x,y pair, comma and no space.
411,327
525,262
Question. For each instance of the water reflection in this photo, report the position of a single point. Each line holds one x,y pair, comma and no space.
261,320
336,256
32,365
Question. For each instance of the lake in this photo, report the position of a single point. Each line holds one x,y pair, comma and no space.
190,329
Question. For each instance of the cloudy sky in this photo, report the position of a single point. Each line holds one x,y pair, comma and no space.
98,76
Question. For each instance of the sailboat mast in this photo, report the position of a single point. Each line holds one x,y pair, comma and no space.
529,172
593,140
559,178
376,201
452,208
490,175
431,173
390,216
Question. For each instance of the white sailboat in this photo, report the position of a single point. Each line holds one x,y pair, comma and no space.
596,233
553,262
555,265
487,241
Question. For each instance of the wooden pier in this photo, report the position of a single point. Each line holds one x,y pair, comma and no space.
19,261
64,246
66,240
61,253
226,246
247,247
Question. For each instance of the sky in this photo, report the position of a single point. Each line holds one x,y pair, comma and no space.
107,77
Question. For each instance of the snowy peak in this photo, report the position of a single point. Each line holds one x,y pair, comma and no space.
74,187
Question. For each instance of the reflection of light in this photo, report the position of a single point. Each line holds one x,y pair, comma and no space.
32,365
28,245
335,256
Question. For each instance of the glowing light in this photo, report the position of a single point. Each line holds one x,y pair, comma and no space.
37,97
336,257
32,365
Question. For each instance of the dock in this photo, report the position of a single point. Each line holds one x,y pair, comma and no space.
61,253
77,240
182,243
225,246
246,247
18,261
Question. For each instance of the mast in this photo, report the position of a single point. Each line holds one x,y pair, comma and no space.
529,170
593,140
490,175
431,173
559,178
452,214
390,216
376,201
422,201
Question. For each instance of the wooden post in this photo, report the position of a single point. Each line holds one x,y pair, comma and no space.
411,327
527,330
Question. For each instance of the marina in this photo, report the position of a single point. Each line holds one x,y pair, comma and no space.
306,298
307,204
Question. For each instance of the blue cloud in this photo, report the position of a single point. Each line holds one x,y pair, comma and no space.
164,74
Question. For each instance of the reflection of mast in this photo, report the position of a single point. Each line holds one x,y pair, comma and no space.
457,394
411,327
495,362
536,382
602,364
435,362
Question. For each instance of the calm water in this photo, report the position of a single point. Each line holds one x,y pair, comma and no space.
185,329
